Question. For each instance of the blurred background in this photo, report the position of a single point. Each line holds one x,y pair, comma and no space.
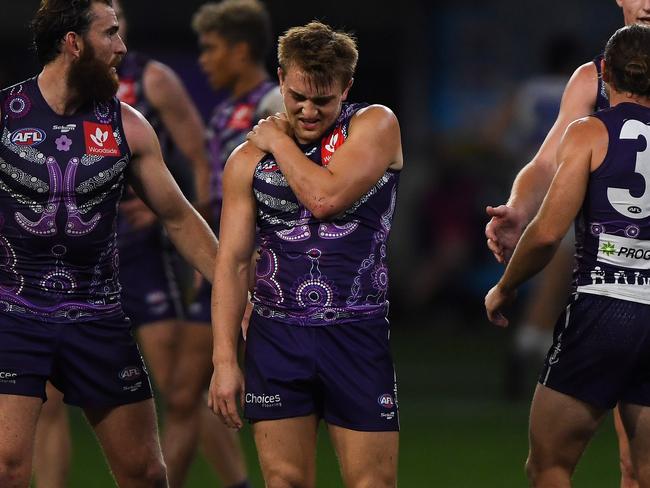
462,77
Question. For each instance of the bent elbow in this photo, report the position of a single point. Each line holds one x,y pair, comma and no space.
325,209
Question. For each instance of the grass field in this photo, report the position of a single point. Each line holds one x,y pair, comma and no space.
457,431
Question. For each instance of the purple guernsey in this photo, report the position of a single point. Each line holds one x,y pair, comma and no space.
61,178
315,272
613,227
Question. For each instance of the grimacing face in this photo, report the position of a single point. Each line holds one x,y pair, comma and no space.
635,11
310,110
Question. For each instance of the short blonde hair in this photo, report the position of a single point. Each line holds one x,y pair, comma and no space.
322,53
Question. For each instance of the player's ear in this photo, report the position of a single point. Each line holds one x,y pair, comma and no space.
241,50
281,79
72,44
347,89
603,70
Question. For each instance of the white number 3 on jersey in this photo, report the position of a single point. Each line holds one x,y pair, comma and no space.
621,198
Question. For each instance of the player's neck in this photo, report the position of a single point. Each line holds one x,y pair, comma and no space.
616,97
53,85
249,79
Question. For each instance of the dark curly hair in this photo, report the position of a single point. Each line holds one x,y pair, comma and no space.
237,21
54,19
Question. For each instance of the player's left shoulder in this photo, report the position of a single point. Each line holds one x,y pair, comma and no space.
378,124
376,117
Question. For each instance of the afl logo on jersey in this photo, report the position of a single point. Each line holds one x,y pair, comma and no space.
330,144
28,137
386,401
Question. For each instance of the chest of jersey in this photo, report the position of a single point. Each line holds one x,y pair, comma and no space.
52,165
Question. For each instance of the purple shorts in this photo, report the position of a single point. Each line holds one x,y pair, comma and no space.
149,269
601,352
342,373
96,364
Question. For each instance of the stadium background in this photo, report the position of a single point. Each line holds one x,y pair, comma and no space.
448,69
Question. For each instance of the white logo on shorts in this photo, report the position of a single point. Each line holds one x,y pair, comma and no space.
266,401
8,377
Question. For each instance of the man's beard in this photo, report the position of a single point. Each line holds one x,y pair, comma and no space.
92,79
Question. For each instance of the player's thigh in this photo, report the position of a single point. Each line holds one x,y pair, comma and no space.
287,451
636,419
190,374
128,435
560,428
157,341
368,459
18,418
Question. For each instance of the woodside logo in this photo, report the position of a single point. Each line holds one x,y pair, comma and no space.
330,144
100,140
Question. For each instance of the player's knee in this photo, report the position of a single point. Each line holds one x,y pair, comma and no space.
155,474
535,470
375,480
148,470
287,477
540,473
182,402
15,470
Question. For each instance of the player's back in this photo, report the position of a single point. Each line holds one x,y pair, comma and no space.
613,228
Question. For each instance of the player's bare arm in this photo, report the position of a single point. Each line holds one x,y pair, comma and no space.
153,183
230,290
168,96
373,146
531,184
559,209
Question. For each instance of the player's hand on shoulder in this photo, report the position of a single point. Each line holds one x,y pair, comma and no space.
503,231
268,130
